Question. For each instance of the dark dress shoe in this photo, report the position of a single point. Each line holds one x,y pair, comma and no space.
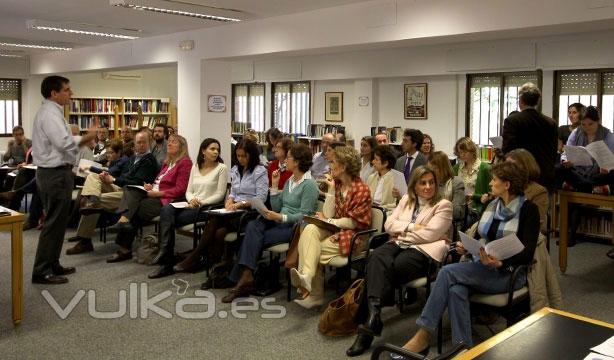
61,270
120,227
162,271
360,345
216,283
74,239
49,279
81,247
119,256
240,291
27,226
179,268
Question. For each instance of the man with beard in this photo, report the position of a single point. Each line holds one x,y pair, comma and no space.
158,150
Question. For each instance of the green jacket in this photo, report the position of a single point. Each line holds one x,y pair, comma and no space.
482,185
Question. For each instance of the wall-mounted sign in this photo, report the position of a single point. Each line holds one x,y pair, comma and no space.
363,101
216,103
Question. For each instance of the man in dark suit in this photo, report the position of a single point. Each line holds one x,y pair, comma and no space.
533,131
412,141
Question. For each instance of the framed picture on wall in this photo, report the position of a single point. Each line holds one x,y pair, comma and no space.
333,106
415,104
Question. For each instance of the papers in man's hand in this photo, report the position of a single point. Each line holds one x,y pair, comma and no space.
399,181
497,141
605,348
180,205
500,249
84,166
138,187
583,156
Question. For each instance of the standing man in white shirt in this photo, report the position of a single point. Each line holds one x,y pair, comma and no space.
320,164
54,152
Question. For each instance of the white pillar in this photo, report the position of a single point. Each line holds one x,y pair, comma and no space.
365,115
188,102
216,80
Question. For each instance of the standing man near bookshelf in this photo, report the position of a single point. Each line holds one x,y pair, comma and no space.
533,131
320,164
412,142
382,139
158,150
54,151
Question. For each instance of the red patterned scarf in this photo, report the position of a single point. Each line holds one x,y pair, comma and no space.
356,205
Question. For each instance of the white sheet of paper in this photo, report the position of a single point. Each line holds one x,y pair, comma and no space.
258,205
399,181
595,356
602,154
497,141
86,164
470,244
605,348
180,205
30,166
578,155
504,248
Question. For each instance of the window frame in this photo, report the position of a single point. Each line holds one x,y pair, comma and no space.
557,87
291,84
501,76
19,106
232,106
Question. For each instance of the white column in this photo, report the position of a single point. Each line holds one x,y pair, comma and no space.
216,80
188,102
364,116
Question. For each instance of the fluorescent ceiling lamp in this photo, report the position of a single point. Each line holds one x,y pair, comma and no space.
11,55
179,8
33,46
82,29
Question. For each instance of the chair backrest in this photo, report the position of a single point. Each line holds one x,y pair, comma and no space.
378,218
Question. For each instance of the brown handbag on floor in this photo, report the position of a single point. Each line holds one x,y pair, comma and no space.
292,254
338,318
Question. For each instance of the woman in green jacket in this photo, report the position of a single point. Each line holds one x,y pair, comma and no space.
474,172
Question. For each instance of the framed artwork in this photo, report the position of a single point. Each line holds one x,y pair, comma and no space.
415,104
333,106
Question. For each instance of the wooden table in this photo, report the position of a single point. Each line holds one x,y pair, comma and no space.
14,224
567,197
548,333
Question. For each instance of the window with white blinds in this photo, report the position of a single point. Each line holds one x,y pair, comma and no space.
491,98
291,107
248,107
10,105
588,87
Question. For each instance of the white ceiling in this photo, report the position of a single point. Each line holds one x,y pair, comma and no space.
14,13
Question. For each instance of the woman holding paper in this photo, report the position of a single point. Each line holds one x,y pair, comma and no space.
298,198
348,207
381,182
509,213
280,150
206,186
584,178
248,180
418,228
137,206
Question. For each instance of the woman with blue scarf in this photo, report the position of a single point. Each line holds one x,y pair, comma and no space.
509,213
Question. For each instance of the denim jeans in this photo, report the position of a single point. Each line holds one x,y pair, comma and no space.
259,234
454,284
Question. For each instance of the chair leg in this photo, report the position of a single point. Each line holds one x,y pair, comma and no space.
289,286
440,336
401,302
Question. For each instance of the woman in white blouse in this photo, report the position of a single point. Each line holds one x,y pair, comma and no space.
367,147
207,185
381,182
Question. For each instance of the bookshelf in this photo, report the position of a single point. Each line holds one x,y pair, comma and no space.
101,111
315,133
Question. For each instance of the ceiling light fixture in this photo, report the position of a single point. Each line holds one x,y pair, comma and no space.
82,29
11,55
138,6
35,46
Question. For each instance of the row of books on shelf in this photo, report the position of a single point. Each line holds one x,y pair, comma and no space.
89,121
318,130
108,105
596,224
394,134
